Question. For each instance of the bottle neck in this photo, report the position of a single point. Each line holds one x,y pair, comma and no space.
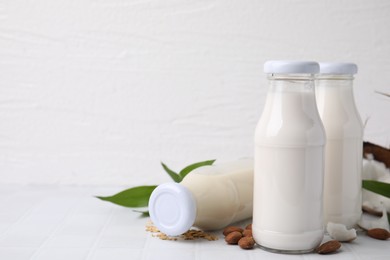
336,105
290,117
335,77
291,83
337,85
340,81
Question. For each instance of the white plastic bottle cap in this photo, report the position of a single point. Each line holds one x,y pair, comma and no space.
291,67
172,208
338,68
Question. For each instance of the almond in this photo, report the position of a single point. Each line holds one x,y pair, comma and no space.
328,247
247,233
233,237
246,243
231,229
378,233
249,227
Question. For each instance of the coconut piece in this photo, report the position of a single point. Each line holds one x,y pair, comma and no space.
371,209
378,152
372,202
340,232
374,170
382,222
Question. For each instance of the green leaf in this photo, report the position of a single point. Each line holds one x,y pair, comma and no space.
183,173
143,213
176,177
378,187
133,197
382,93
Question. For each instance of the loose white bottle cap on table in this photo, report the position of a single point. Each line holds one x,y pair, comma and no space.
291,67
338,68
172,208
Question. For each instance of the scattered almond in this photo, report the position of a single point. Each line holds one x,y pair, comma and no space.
247,233
246,243
378,233
233,237
328,247
231,229
249,226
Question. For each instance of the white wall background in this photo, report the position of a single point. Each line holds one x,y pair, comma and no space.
101,91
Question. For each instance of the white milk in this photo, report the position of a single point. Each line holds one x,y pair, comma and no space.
288,178
210,198
223,193
343,160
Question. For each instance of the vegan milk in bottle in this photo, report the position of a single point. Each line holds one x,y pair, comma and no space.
209,197
344,131
289,151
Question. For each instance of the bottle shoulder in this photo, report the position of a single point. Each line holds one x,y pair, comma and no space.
290,119
280,131
341,123
338,111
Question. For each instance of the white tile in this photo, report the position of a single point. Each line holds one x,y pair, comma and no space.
89,229
9,217
236,253
16,206
82,224
122,241
16,253
36,224
55,206
116,254
377,257
169,254
91,206
61,254
22,240
158,244
7,220
83,241
127,230
3,228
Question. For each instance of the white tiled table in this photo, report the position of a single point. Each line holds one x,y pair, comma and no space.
67,222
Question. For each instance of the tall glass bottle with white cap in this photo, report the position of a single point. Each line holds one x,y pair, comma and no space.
344,131
289,151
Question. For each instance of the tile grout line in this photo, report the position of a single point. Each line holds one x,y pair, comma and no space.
197,249
20,219
146,246
60,225
26,213
351,249
98,237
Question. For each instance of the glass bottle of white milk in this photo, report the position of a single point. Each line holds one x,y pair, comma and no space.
289,154
344,131
210,198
